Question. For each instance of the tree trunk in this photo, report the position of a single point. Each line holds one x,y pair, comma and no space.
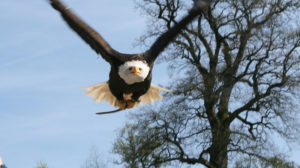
218,150
220,131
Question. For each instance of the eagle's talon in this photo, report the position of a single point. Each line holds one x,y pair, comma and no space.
126,104
122,105
131,104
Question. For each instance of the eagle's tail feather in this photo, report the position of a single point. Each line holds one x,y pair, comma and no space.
101,92
153,94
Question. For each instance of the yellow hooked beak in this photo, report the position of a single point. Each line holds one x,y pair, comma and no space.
135,71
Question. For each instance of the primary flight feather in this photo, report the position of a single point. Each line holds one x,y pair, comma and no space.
130,75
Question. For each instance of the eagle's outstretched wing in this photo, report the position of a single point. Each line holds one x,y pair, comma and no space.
162,42
87,33
96,41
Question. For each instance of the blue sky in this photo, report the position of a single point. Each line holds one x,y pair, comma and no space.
44,114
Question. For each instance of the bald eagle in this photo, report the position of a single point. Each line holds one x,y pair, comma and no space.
130,74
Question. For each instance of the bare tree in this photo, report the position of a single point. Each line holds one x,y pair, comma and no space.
94,160
236,85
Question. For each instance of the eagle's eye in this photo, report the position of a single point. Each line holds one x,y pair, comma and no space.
140,69
130,68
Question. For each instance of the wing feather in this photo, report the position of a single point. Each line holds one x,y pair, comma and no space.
163,40
87,33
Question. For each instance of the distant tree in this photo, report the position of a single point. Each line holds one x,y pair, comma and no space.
94,160
41,164
236,83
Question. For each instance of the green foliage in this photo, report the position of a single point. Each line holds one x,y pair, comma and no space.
41,164
277,162
273,162
133,149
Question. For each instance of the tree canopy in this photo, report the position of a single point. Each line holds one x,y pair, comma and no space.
235,85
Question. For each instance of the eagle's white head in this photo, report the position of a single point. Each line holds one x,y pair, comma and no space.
134,71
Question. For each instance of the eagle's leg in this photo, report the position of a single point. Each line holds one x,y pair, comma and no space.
134,99
125,101
121,102
129,100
